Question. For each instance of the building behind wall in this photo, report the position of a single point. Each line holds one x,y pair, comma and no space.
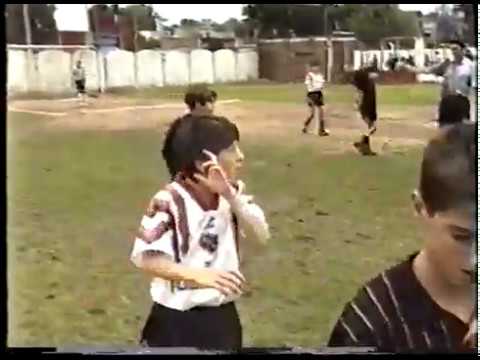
285,60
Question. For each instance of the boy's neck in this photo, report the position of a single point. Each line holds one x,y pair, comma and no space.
455,299
199,112
202,195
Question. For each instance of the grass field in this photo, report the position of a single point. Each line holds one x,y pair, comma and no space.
421,94
75,199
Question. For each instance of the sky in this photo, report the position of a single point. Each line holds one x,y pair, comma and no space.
73,16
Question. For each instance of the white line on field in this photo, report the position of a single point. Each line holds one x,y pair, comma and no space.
35,112
69,99
149,107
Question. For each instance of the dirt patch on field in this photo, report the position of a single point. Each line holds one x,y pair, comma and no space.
397,126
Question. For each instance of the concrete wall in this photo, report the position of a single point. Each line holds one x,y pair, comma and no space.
17,72
225,65
201,66
54,71
177,70
120,69
50,70
149,68
247,65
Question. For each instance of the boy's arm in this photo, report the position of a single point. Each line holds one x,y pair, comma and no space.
438,70
358,99
309,82
250,217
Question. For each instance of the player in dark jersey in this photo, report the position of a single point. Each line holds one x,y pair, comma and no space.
427,302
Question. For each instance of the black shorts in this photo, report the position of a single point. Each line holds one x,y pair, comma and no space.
80,85
315,98
201,327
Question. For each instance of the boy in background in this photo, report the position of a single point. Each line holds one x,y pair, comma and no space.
315,81
200,100
79,77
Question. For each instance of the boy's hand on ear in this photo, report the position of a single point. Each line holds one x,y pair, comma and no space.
216,180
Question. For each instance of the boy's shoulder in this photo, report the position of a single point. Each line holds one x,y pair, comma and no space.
395,284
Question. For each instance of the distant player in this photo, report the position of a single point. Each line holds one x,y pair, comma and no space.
200,100
79,77
315,81
459,75
366,103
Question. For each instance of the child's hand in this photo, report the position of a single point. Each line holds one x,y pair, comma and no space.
216,180
228,283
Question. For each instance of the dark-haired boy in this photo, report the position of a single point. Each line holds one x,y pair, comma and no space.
427,303
192,235
200,100
366,103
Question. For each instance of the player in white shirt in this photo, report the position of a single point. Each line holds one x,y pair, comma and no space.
193,235
315,81
79,77
459,77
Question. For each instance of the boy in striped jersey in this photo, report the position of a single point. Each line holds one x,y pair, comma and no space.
193,235
315,81
425,303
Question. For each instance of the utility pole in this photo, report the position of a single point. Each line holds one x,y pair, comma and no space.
27,24
28,40
135,49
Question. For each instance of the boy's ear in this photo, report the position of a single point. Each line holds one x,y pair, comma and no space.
198,166
418,204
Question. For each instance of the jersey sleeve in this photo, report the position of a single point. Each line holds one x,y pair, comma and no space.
248,211
156,229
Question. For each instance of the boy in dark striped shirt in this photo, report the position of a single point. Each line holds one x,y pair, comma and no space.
427,303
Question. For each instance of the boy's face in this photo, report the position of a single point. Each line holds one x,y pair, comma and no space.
457,52
206,109
315,69
450,244
231,161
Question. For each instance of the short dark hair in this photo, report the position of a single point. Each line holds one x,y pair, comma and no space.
457,42
447,176
199,94
452,109
188,136
314,63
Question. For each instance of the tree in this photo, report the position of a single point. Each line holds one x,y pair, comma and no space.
42,23
280,19
144,15
447,28
372,23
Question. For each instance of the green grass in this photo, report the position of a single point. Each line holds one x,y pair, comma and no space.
75,199
423,94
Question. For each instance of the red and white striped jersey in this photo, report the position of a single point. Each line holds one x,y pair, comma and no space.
193,237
